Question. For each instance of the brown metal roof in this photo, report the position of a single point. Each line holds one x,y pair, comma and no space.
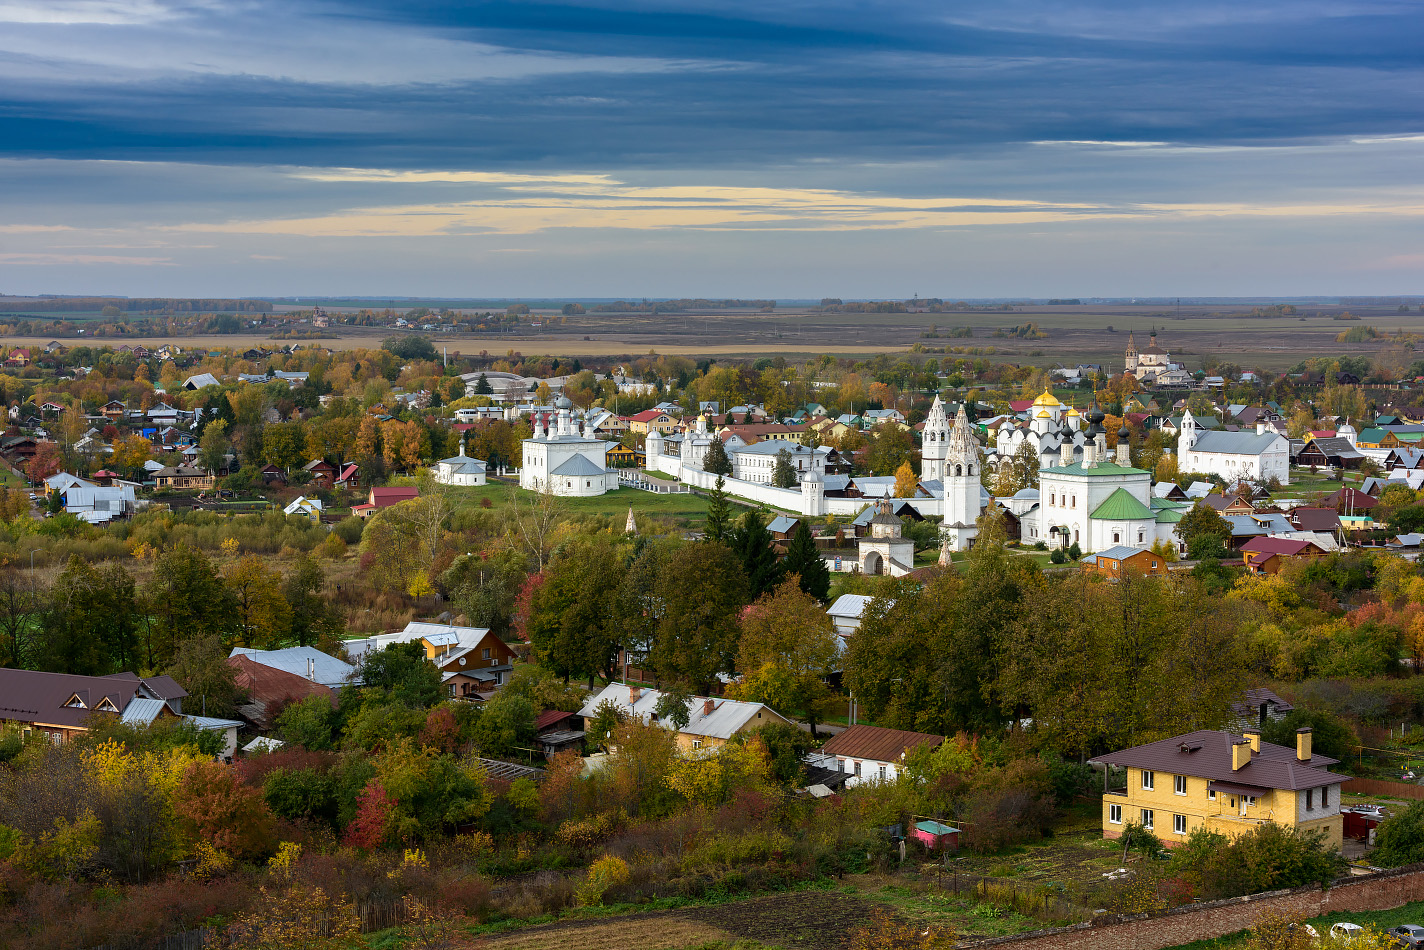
873,742
29,696
266,684
1207,754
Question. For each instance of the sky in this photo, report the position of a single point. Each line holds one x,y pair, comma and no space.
976,148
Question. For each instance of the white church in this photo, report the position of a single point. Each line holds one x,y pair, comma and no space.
565,458
1254,456
1052,430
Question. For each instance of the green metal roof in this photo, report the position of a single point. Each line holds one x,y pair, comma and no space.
1170,515
1101,469
1371,435
1121,506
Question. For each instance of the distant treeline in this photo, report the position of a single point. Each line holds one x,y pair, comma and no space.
130,305
931,304
677,306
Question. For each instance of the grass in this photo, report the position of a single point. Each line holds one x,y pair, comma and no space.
683,507
1383,919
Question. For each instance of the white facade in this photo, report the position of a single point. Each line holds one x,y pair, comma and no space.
564,461
459,470
962,495
757,462
1253,456
1096,504
934,442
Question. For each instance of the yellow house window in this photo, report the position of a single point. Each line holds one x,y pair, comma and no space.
1179,784
1149,780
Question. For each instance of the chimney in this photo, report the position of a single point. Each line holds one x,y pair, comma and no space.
1302,744
634,692
1253,736
311,668
708,706
1240,754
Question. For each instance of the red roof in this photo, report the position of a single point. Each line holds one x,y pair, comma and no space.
549,717
385,497
1020,405
647,415
1289,547
877,744
266,684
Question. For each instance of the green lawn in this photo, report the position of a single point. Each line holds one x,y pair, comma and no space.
686,508
1383,919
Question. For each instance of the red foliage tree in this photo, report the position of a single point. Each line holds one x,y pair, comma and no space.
44,463
213,805
440,731
519,623
374,811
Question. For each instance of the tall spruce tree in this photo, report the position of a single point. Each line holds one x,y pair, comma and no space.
719,512
751,542
803,560
717,461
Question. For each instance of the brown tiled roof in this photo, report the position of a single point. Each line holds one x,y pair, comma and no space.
28,696
1207,754
549,717
1315,519
873,742
166,687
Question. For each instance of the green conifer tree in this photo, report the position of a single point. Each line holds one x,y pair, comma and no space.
719,512
783,475
804,560
717,461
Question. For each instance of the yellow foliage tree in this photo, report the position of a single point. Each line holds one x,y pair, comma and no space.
906,484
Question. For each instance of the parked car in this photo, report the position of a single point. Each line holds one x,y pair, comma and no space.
1344,932
1407,935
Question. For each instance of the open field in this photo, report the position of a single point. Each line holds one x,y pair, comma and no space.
683,508
1096,334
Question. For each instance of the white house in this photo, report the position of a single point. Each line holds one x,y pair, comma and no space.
757,462
846,612
1255,456
460,470
871,754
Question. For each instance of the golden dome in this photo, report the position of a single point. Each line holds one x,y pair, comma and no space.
1074,413
1046,400
1044,414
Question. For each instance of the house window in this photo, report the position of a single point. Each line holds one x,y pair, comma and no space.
696,743
1115,814
1211,794
1149,780
1325,796
857,767
882,773
1179,824
1179,784
844,765
1116,537
1154,565
1147,818
1249,800
1309,799
486,653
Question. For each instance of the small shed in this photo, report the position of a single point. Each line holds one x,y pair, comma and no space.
936,835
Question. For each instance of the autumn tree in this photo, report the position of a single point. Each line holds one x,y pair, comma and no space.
200,666
264,617
788,646
214,806
573,618
906,482
485,588
1204,532
184,597
698,593
90,625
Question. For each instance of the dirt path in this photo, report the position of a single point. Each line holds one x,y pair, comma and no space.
813,920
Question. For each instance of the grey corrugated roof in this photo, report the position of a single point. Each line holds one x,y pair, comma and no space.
329,670
1235,443
725,719
141,712
850,605
579,467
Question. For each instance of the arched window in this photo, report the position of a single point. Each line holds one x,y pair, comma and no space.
1116,537
1075,535
958,470
1052,498
1073,503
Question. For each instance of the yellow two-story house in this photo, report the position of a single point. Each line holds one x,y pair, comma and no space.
1225,782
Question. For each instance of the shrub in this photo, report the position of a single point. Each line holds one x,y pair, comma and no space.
1268,857
349,529
605,873
1400,840
333,548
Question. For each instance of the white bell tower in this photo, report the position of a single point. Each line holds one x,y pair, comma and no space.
962,462
935,442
